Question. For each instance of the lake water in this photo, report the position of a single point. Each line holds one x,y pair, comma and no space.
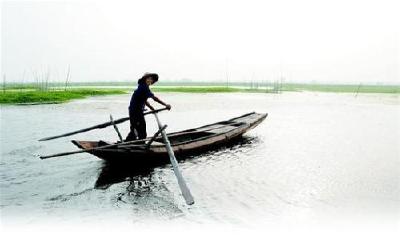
317,157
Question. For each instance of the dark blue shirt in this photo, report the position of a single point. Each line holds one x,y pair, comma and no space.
139,97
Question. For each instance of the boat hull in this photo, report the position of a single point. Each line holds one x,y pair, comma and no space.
185,143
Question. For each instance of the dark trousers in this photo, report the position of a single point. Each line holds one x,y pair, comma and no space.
138,126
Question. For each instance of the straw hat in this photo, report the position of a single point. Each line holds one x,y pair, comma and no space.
149,75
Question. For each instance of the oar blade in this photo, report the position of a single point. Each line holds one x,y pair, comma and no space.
184,189
182,184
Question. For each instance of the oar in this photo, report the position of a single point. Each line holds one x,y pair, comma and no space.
103,125
91,149
116,128
182,184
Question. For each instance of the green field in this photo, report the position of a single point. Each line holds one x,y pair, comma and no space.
342,88
282,88
199,89
30,93
51,96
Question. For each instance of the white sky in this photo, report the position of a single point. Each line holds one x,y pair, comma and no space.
329,41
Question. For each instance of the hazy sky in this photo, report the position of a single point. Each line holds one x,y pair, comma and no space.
342,41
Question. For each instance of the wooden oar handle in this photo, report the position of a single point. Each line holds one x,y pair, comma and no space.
155,111
103,125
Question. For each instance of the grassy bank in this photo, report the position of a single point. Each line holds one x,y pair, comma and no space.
342,88
199,89
282,88
55,93
212,87
51,96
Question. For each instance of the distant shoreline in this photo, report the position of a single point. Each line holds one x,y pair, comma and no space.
39,93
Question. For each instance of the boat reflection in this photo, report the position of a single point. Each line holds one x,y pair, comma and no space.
112,174
140,175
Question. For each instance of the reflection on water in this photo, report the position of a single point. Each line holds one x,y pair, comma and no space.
142,187
316,156
140,175
111,174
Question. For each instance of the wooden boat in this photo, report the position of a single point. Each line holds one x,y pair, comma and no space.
184,143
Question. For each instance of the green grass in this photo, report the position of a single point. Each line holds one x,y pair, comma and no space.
28,93
199,89
284,87
213,87
52,96
342,88
206,89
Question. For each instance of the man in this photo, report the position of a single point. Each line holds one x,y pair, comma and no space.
136,106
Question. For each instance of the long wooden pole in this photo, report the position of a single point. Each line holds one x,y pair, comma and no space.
116,128
129,143
182,184
99,126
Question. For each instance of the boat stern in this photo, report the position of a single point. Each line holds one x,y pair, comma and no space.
85,144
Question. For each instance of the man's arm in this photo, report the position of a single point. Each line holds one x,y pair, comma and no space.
148,105
161,102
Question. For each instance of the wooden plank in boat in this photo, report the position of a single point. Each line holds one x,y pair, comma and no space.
222,129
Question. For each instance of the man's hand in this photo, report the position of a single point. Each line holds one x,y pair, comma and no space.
168,106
